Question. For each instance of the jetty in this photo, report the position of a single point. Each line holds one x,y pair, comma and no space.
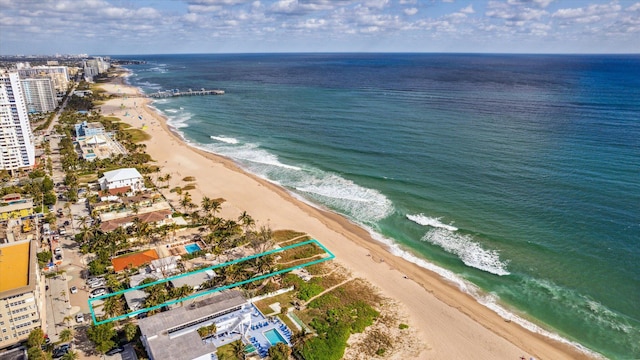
177,92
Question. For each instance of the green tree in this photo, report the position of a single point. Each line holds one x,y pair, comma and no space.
35,353
36,338
66,335
237,347
130,331
71,355
279,351
102,336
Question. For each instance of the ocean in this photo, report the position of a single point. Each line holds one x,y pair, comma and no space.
517,177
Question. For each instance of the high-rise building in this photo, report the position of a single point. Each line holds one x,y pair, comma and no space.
21,292
39,94
16,139
59,75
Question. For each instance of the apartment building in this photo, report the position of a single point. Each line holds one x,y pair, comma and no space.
21,294
39,94
16,139
59,75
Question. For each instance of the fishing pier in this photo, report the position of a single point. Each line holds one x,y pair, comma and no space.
177,92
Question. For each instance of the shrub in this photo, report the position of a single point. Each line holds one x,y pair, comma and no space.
403,326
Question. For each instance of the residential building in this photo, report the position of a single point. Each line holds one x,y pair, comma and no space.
173,334
39,94
89,129
59,75
21,294
13,206
128,177
16,139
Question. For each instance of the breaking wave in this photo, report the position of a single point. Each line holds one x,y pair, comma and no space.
469,251
431,221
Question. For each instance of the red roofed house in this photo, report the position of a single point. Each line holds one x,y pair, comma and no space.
134,260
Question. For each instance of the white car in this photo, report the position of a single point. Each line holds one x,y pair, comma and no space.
73,290
79,317
98,283
98,292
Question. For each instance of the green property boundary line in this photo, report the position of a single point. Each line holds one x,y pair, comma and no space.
210,291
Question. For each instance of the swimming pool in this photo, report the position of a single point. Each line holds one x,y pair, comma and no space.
274,337
193,247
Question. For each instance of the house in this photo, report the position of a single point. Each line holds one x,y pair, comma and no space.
157,218
128,177
134,260
13,206
135,298
173,334
166,265
193,280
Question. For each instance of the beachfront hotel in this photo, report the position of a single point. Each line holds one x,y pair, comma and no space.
16,139
21,293
174,334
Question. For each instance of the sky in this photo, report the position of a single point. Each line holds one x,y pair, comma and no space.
121,27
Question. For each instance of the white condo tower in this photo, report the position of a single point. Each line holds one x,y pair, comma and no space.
16,139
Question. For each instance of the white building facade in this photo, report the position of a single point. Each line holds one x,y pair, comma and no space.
129,177
40,95
59,75
16,139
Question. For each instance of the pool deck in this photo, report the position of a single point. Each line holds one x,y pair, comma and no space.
251,332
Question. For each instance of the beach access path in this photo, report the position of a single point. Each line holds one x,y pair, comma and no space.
450,324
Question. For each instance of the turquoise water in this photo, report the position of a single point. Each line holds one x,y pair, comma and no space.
193,247
515,176
274,337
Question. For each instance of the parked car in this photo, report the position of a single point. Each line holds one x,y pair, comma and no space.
60,351
97,284
66,223
79,318
73,290
98,292
115,350
57,251
92,280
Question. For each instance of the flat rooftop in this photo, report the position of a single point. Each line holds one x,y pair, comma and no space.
14,260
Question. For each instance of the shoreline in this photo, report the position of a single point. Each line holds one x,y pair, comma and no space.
450,323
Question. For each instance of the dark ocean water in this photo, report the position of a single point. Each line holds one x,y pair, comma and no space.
515,176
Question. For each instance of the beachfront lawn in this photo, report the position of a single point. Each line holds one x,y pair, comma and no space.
137,135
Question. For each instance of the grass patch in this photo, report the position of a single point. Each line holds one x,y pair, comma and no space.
189,178
403,326
285,235
138,135
87,178
189,187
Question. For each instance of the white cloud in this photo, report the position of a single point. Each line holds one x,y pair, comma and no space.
467,10
634,7
411,11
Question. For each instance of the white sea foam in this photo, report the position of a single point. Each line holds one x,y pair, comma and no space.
150,85
224,139
488,300
179,119
469,251
431,221
171,111
361,204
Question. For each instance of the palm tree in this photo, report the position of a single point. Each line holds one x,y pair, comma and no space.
237,347
71,355
206,204
300,338
67,319
63,295
246,220
66,335
216,205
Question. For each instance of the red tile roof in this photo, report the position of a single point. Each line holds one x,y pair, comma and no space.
134,260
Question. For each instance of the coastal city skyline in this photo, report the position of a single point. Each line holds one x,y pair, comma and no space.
254,26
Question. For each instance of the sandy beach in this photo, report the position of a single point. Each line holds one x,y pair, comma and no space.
450,323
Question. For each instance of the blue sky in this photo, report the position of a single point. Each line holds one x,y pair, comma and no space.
241,26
